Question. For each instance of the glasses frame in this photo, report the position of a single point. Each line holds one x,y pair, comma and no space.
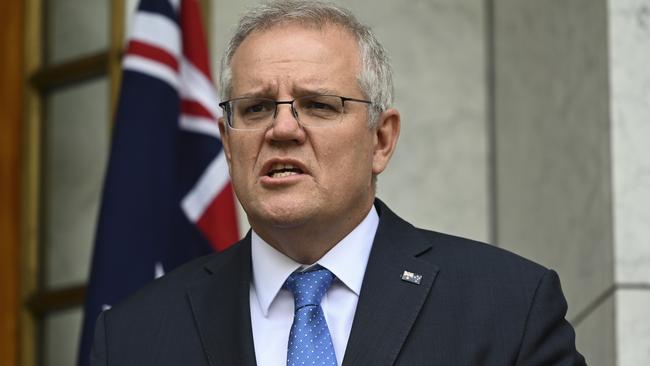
227,108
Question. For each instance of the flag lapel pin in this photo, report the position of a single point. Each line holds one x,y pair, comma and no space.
411,277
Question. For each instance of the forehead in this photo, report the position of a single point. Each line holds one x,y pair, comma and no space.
293,53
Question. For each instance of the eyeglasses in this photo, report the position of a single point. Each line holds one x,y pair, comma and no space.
252,113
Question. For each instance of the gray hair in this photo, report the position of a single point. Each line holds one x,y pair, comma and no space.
375,77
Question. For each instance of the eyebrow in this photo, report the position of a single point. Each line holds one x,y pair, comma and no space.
261,92
297,91
300,91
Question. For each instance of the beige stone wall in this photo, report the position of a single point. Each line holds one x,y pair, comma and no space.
571,98
553,200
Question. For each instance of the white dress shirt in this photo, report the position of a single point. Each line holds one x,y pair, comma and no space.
272,305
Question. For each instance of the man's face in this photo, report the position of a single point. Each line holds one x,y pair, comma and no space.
332,184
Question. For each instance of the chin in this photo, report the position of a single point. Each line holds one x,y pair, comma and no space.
283,214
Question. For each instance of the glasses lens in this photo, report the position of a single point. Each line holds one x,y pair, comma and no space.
319,110
252,113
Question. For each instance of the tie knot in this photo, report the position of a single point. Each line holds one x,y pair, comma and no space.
309,287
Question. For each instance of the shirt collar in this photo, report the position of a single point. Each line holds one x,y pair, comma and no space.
347,260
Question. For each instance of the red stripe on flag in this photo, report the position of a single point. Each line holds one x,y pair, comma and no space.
193,37
193,108
152,52
219,222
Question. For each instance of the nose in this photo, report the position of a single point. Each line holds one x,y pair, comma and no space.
286,126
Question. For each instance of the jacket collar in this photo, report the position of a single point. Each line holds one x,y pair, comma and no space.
389,305
386,311
220,303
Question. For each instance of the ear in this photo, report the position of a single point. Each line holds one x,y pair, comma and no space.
225,140
386,135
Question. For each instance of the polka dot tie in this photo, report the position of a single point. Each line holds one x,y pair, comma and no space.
310,342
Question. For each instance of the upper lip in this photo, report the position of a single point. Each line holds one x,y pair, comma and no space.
270,164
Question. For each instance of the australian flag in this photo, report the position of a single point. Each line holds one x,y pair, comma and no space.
167,196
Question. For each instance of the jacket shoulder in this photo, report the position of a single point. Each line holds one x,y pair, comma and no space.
171,287
478,253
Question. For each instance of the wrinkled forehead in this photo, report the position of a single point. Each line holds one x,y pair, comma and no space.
319,24
297,51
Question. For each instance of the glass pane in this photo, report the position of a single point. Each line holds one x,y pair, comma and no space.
76,137
61,337
75,28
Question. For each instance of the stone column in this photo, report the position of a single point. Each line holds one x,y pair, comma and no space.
629,60
571,144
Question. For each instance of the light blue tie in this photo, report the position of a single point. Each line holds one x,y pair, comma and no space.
310,342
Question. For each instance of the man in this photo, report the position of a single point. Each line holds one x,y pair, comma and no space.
329,275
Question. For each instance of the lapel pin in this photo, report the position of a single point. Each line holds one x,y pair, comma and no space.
411,277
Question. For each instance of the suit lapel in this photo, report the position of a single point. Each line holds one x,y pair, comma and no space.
388,305
221,308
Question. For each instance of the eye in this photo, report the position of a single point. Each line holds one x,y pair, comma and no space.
321,103
320,106
259,107
314,104
254,108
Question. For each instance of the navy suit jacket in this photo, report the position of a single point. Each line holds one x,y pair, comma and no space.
475,305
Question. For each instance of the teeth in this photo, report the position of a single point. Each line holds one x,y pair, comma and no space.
280,166
283,174
279,170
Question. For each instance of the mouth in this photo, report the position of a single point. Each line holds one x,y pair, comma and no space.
281,170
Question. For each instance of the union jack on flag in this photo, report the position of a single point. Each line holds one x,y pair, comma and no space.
167,196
